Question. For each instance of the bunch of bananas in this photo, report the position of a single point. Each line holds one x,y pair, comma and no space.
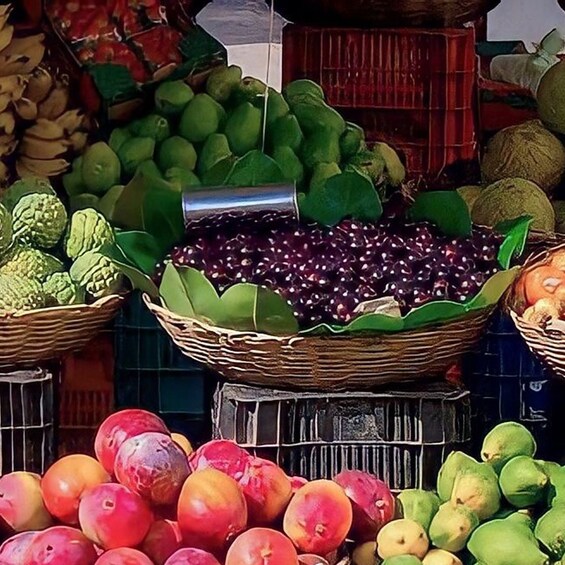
36,125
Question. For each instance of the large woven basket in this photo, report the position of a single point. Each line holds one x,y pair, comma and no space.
31,337
324,362
384,13
547,343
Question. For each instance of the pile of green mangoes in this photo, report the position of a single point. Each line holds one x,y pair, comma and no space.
193,140
508,509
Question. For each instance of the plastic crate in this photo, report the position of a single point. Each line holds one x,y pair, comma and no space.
408,69
27,421
151,373
402,436
508,383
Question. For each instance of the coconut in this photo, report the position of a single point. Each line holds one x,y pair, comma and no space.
551,98
509,199
469,194
527,151
559,208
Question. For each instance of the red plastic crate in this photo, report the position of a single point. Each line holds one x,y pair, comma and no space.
408,69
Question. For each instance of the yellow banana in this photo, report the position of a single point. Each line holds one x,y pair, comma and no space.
78,141
42,149
24,45
28,51
8,144
26,109
39,85
5,100
56,102
14,65
43,167
11,83
6,35
5,11
7,123
46,129
24,173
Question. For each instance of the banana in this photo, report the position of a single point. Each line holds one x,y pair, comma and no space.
71,121
8,144
14,65
6,35
78,141
11,83
44,168
5,100
7,123
23,172
5,11
25,45
26,109
46,129
39,85
28,51
56,102
42,149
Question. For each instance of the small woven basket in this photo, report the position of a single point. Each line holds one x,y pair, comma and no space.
384,13
28,338
539,241
324,363
547,343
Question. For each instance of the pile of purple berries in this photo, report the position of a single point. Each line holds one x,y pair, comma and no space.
325,273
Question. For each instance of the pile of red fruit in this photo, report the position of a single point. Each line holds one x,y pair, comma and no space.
148,500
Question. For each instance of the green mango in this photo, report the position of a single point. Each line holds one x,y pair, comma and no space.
478,489
550,531
153,125
244,129
314,115
352,140
72,181
523,482
290,164
150,169
176,151
320,147
133,152
250,90
451,527
117,138
172,97
505,441
108,202
181,178
277,107
456,461
501,542
303,87
285,132
222,82
202,117
215,149
321,173
419,505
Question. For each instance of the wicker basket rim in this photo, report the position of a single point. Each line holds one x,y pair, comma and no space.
100,303
290,339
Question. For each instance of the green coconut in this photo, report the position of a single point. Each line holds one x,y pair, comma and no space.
527,151
469,194
509,199
551,98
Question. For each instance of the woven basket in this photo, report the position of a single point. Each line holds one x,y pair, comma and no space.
539,241
547,344
324,363
31,337
384,13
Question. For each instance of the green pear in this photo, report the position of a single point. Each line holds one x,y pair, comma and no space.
523,482
153,125
314,115
134,151
550,531
456,461
244,128
72,181
522,518
556,490
352,140
290,164
277,107
285,131
500,542
107,203
202,117
320,175
118,137
478,489
394,168
172,97
441,557
419,505
176,151
451,527
402,560
250,90
222,82
215,149
181,178
303,87
320,147
505,441
150,169
370,163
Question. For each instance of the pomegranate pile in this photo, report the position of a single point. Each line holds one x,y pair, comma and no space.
147,499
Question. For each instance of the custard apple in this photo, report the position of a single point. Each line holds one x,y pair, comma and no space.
30,263
96,274
60,290
39,220
88,231
23,187
6,231
19,293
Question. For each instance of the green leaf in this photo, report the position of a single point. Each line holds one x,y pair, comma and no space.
173,293
238,302
432,313
128,212
113,82
202,295
272,314
219,173
445,209
516,232
255,169
493,289
376,322
141,248
162,214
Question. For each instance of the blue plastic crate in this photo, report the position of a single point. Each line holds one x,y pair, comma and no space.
507,382
151,373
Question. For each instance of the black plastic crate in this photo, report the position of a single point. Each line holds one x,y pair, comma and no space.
402,436
27,421
507,382
151,373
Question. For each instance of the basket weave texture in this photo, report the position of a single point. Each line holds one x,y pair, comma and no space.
547,344
324,363
384,13
30,337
